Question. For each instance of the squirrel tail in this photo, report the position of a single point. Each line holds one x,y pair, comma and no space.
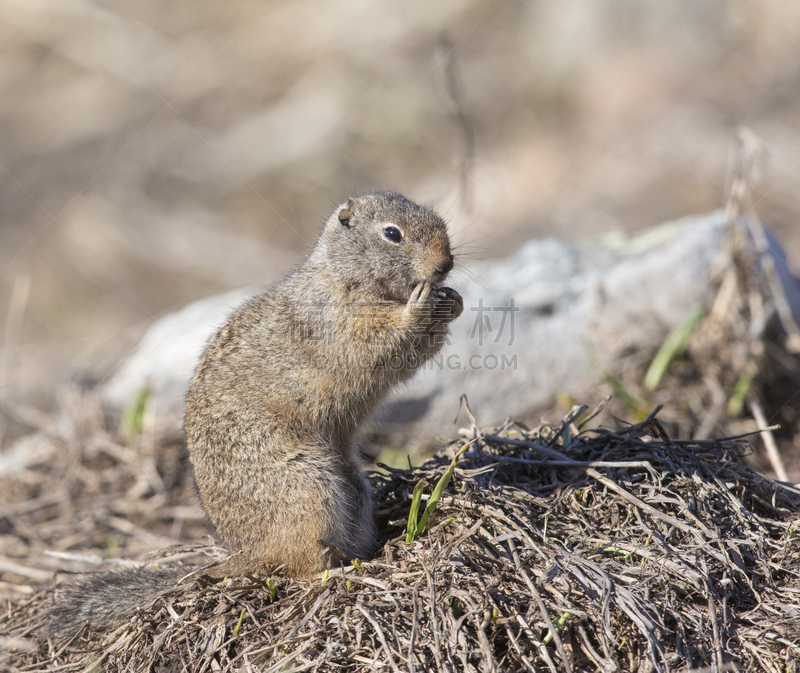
105,600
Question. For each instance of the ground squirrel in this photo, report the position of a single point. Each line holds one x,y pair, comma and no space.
274,407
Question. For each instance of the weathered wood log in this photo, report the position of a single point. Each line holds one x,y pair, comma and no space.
543,321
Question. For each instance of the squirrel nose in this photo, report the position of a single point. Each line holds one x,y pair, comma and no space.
446,266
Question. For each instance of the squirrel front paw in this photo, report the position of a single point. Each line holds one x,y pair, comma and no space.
448,304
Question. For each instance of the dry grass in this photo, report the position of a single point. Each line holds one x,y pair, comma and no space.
559,549
553,550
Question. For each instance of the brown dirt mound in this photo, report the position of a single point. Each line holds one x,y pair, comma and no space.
558,549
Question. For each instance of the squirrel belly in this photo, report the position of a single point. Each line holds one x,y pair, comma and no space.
275,405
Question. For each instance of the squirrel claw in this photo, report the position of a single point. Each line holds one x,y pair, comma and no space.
420,302
421,292
449,304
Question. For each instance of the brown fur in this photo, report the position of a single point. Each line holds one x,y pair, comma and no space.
274,407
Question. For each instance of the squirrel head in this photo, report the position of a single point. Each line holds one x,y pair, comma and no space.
383,245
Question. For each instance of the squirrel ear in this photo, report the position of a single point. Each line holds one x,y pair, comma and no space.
347,212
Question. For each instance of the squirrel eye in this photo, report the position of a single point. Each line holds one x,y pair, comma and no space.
393,234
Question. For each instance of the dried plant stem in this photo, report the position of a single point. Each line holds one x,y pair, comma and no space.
770,445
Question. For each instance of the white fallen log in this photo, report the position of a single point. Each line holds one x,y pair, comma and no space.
544,321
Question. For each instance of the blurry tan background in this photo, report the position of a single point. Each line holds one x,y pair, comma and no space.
152,153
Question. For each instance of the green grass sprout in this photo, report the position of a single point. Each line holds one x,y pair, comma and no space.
454,604
635,404
272,588
134,414
558,624
411,528
239,624
416,528
674,346
736,403
624,553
